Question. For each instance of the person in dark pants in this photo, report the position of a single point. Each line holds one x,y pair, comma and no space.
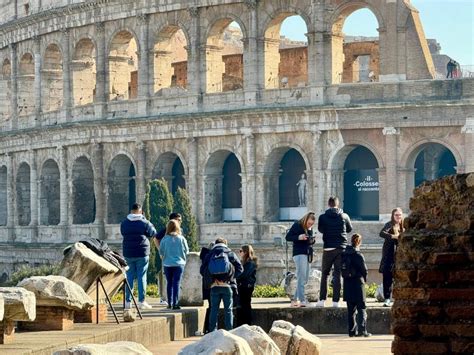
450,69
390,233
334,224
246,284
354,272
206,288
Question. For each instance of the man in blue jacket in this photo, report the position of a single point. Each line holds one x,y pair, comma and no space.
334,224
136,231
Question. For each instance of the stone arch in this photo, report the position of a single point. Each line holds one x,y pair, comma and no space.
26,79
171,58
3,196
23,195
339,155
121,188
347,59
83,67
83,196
281,173
123,66
170,167
214,178
52,78
224,71
5,89
50,193
409,157
276,58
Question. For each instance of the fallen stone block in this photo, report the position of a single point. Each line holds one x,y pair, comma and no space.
294,340
312,286
115,348
191,284
19,305
259,341
219,342
281,333
2,307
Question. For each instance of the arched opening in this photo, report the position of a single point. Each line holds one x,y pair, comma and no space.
123,67
121,188
433,162
5,90
223,188
170,168
355,46
286,52
83,196
170,59
23,195
50,194
52,80
361,185
83,69
224,57
3,196
26,87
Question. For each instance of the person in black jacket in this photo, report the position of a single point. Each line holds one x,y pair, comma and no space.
206,287
246,284
355,277
301,234
390,233
334,224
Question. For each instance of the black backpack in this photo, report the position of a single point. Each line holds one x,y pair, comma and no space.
347,268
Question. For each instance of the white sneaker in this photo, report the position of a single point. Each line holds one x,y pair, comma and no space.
144,305
295,303
335,305
387,303
163,302
127,305
320,303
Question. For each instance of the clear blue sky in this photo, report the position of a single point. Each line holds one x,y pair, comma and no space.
448,21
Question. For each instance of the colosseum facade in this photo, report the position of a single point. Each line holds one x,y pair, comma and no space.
91,111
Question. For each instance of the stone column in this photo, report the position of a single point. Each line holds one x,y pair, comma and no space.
193,177
144,64
141,175
390,189
194,60
67,82
317,186
317,55
270,54
101,96
34,196
99,188
14,86
251,57
468,132
249,195
406,179
63,183
11,208
38,66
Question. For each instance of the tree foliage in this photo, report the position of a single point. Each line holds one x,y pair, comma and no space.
182,205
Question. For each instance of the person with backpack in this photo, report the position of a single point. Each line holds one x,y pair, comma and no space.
301,234
246,284
173,251
221,266
354,273
206,287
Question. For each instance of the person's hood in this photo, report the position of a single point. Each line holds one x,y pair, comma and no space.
334,212
351,250
135,217
220,246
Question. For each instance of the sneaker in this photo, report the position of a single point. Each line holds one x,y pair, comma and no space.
364,334
176,307
303,304
387,303
163,302
295,303
320,303
335,305
144,305
127,305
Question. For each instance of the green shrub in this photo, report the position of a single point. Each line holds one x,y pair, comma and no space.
371,289
26,271
182,205
268,291
151,291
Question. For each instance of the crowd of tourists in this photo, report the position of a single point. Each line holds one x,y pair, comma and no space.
230,278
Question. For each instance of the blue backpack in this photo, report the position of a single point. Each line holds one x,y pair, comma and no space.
220,267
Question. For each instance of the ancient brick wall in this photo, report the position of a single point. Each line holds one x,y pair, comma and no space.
434,291
294,66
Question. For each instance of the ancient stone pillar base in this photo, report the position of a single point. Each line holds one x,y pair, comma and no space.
90,315
50,318
7,332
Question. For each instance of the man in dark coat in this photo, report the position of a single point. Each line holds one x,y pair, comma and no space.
355,277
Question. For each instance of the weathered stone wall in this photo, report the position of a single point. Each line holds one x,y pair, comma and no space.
434,294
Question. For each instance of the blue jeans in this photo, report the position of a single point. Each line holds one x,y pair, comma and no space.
219,293
137,268
173,279
302,275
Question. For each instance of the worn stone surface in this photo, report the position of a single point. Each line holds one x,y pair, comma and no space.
218,342
191,283
260,343
311,289
433,277
304,343
19,303
2,307
57,291
281,333
115,348
129,315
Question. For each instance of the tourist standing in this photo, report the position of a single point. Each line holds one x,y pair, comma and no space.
246,284
173,251
334,224
136,230
390,233
206,287
301,234
450,69
354,272
222,266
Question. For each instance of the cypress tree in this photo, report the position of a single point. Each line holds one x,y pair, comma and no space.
182,205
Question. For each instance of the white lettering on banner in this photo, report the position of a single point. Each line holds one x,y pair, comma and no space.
369,184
